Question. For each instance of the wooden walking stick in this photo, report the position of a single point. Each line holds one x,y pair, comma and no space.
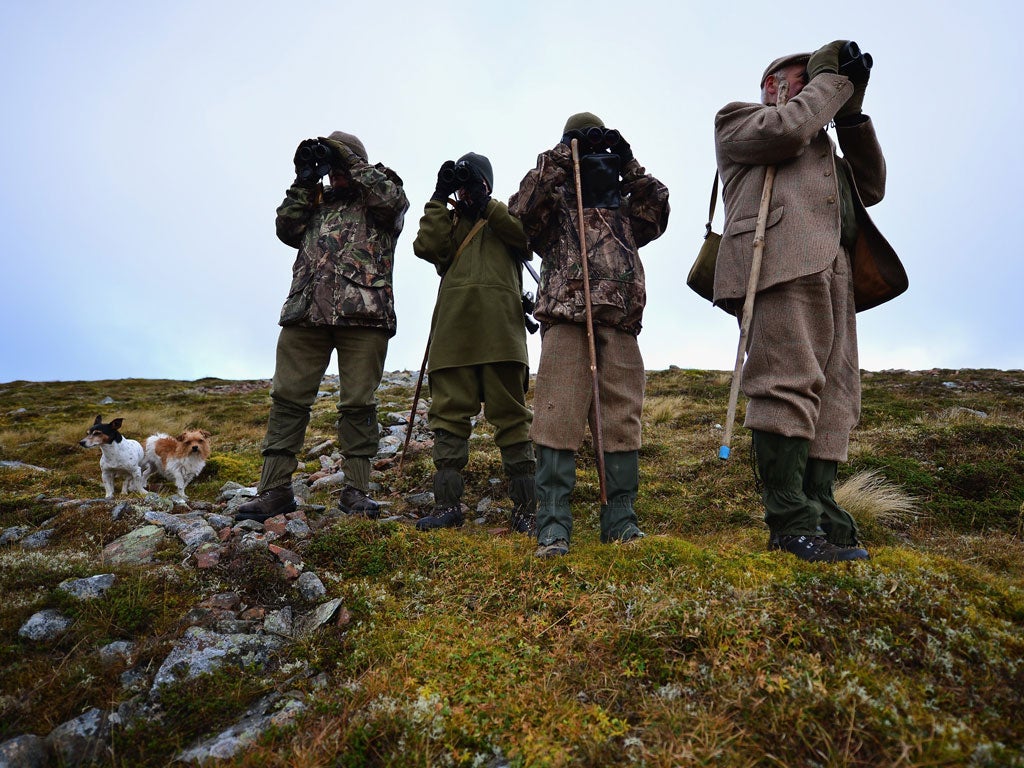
598,439
748,300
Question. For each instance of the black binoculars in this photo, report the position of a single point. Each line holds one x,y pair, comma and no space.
457,173
313,160
854,64
595,138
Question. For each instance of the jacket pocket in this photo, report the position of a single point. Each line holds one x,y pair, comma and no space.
749,224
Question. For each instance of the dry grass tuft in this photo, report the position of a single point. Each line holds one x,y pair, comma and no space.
870,497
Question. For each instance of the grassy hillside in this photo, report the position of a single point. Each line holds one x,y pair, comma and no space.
695,646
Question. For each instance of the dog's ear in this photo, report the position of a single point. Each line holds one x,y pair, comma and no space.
205,434
181,438
99,420
116,423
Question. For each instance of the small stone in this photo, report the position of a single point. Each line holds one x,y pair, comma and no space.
89,588
310,586
45,625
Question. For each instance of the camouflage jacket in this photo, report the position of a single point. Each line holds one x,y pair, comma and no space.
546,204
342,275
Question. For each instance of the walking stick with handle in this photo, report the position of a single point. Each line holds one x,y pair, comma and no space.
748,300
598,439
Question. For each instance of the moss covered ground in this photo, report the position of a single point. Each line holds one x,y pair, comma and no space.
695,646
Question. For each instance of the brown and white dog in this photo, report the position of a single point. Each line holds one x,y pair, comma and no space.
180,458
118,456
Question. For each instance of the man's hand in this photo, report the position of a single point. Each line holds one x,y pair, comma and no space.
825,59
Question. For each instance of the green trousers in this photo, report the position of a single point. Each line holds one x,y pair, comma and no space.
303,355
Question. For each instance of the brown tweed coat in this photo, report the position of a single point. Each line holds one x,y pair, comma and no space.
804,218
802,373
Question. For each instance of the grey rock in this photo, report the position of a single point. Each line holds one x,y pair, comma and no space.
135,547
320,449
119,509
197,532
200,651
270,711
421,500
307,623
25,751
13,534
89,588
5,464
117,652
108,400
38,540
310,586
279,622
219,521
328,481
45,625
82,740
298,528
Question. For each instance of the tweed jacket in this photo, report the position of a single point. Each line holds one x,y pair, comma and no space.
804,220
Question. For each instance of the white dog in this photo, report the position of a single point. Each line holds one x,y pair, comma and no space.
180,458
118,455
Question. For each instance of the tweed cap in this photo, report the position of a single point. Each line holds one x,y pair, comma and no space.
482,164
351,142
582,120
784,61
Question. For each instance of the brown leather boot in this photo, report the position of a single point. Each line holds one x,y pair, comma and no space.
271,503
355,502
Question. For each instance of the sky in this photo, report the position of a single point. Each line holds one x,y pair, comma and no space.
145,147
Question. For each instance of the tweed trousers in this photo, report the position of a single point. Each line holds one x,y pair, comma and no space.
564,393
802,374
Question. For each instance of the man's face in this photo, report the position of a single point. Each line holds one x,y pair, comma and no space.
794,75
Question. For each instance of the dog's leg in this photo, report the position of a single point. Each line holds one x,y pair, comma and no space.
108,482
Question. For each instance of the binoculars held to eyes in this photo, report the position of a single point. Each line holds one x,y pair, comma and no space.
458,174
313,160
854,64
594,138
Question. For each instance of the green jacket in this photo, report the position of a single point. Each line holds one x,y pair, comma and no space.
478,317
342,275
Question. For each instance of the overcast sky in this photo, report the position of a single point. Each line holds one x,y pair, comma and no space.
144,149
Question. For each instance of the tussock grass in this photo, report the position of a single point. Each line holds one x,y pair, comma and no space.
871,498
694,646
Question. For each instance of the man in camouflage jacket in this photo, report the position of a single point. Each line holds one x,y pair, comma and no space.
477,337
621,218
341,299
801,374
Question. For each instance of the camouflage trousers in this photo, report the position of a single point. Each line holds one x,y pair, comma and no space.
303,354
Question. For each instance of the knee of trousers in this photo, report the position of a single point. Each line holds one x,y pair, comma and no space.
358,431
450,451
518,459
286,427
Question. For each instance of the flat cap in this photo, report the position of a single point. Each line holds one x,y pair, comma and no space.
784,61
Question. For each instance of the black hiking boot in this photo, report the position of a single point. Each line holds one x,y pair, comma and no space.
271,503
816,549
443,517
355,502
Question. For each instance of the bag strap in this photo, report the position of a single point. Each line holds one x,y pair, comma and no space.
711,206
472,233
